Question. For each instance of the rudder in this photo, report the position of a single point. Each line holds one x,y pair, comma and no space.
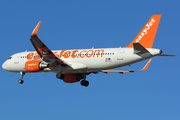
147,34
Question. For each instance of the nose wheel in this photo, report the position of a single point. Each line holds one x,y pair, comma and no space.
21,80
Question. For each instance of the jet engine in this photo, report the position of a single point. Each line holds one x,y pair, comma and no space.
72,77
35,66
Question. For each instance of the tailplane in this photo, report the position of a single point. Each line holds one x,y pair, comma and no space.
147,34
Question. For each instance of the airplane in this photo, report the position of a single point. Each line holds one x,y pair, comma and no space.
74,65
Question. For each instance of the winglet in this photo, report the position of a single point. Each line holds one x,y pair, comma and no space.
34,33
147,65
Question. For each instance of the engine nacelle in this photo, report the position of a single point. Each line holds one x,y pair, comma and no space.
35,66
72,77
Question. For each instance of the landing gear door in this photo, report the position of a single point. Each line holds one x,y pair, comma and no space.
120,54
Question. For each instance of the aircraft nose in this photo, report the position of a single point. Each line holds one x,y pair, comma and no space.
4,66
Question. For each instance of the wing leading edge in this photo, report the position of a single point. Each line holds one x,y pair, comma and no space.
44,52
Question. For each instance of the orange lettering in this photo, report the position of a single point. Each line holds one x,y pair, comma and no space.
55,53
74,53
98,53
61,53
36,56
81,53
90,53
29,56
67,54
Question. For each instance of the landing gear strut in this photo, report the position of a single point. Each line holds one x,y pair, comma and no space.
21,80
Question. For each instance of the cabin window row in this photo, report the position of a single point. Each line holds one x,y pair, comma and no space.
71,55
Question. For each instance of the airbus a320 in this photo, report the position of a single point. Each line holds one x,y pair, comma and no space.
74,65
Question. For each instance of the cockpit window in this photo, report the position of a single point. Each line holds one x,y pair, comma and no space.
9,58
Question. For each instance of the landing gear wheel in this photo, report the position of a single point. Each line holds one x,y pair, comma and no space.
20,81
59,76
84,83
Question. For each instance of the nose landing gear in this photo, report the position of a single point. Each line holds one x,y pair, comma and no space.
21,80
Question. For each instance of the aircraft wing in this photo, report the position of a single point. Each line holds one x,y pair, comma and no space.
44,52
124,71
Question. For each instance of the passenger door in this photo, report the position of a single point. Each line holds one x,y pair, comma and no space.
120,54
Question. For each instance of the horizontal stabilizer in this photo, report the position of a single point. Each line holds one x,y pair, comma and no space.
119,71
124,71
165,55
138,48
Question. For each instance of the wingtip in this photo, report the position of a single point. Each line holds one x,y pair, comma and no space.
34,33
147,65
157,15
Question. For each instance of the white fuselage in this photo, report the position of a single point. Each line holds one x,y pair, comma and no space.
82,60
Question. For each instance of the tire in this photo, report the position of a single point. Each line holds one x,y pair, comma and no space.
20,81
84,83
60,76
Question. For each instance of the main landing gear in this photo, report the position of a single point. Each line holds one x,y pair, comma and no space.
60,75
78,77
21,80
84,83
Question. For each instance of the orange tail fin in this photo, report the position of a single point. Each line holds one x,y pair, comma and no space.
147,34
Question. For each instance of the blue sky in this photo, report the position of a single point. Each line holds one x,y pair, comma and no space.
149,95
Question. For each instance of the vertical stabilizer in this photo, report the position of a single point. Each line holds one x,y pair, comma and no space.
147,34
